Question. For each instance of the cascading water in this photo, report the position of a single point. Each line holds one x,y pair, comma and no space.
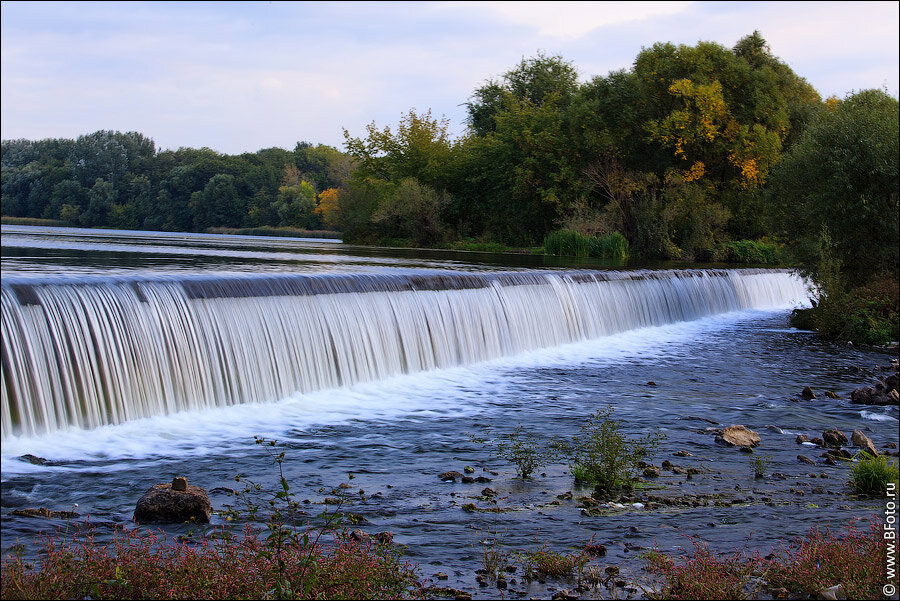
103,351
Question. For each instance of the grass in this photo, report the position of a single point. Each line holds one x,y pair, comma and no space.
573,244
146,565
750,251
871,475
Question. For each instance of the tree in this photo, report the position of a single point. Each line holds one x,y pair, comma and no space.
841,178
411,211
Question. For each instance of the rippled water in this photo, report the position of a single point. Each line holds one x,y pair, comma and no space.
396,435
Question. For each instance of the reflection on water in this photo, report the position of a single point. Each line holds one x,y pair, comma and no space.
29,251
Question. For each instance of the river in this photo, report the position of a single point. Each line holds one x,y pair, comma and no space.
382,363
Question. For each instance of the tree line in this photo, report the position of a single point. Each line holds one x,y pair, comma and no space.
692,149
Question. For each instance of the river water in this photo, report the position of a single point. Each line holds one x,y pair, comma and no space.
395,424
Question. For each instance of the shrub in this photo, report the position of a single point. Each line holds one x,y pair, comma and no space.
602,455
871,475
750,251
523,449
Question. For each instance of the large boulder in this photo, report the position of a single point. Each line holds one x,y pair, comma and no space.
173,503
738,436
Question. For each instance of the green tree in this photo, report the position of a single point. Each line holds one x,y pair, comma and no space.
842,178
412,211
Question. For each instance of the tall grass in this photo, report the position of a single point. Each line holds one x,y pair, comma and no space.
750,251
570,243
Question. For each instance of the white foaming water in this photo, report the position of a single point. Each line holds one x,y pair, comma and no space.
83,355
459,391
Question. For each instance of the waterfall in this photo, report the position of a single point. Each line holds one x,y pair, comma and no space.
81,354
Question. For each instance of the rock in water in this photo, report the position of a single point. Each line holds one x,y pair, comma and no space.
738,436
863,442
171,504
834,438
808,394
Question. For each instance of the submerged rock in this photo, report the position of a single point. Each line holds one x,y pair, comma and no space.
43,512
167,503
450,476
738,436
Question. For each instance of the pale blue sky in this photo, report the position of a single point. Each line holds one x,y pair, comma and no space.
238,76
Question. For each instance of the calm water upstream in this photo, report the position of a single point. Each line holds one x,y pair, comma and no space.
131,357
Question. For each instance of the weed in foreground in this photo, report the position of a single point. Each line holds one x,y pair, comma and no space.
855,560
702,574
146,565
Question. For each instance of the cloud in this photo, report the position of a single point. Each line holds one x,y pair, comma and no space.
571,20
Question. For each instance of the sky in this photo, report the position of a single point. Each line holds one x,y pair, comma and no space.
241,76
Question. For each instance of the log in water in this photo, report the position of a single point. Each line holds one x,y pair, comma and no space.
81,354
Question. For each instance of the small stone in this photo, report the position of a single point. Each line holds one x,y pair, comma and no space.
651,383
358,536
818,441
682,454
801,438
808,393
441,576
831,395
469,469
488,492
450,476
467,479
651,472
805,459
179,483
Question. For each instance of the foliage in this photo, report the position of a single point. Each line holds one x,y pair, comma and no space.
602,455
523,449
855,560
546,563
756,252
841,177
867,314
871,475
702,574
805,567
145,565
412,211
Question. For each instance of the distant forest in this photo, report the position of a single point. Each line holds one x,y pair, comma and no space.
692,149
